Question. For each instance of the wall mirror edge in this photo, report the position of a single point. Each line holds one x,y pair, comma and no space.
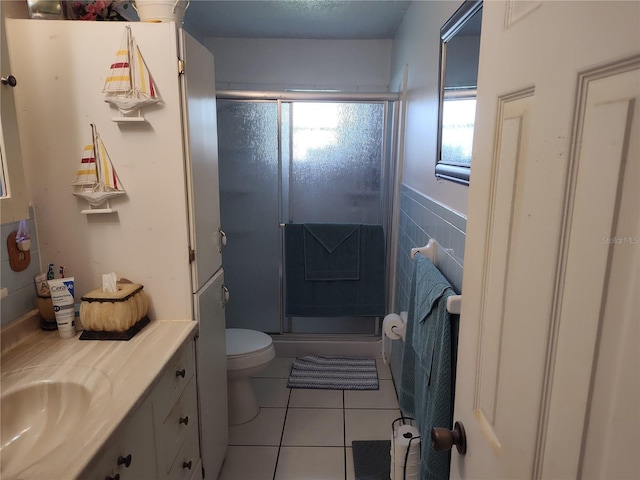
457,86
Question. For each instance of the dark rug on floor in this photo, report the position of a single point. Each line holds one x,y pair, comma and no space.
334,373
371,459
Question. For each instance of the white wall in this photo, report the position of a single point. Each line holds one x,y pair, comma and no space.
61,67
275,64
418,46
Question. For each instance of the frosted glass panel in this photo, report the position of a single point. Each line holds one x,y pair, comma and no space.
248,162
336,162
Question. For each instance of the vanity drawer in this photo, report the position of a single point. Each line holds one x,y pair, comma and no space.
131,453
180,423
187,465
173,381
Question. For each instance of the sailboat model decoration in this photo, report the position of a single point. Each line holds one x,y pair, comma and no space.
129,85
96,180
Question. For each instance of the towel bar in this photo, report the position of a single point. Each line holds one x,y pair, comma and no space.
429,250
454,302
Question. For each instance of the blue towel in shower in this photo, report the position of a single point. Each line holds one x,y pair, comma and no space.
428,363
335,298
331,251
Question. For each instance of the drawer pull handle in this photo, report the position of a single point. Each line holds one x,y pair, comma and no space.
187,465
184,420
181,373
126,461
115,477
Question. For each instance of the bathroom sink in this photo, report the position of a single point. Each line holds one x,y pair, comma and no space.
41,409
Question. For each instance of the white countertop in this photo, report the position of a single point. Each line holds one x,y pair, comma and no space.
130,368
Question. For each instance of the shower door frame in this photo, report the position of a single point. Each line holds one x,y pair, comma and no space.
389,170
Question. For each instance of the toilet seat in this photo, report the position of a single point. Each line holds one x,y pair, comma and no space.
248,348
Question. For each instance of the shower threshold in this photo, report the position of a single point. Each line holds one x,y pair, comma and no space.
354,345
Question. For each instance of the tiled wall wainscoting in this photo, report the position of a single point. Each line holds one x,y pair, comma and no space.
421,219
21,291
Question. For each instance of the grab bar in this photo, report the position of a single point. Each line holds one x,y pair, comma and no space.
454,302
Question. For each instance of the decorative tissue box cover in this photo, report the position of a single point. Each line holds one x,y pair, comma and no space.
114,312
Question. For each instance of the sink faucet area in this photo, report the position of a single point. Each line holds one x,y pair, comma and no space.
62,400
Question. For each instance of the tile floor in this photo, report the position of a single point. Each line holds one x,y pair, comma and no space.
304,434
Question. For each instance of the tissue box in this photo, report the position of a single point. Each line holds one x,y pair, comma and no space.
114,312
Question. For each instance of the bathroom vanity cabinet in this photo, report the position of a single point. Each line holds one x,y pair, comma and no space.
159,440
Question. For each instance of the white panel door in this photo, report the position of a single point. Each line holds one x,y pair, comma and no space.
548,369
201,151
211,374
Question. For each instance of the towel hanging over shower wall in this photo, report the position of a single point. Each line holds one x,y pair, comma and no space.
360,295
331,251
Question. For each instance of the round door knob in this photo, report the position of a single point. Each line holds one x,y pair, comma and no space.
444,439
10,80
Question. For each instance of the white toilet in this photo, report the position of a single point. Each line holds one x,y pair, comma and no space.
248,352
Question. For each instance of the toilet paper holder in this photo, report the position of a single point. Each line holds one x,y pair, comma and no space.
394,327
405,449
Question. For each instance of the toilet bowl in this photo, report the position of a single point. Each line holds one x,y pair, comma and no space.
248,352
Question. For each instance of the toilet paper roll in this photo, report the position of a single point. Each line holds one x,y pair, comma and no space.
404,433
394,328
405,445
399,473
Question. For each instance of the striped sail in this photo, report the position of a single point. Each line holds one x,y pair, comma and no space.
108,176
119,78
129,84
96,180
87,175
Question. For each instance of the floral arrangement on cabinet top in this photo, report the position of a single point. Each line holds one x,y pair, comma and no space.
99,10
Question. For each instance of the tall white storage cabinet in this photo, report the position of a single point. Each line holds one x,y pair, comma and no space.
207,243
166,231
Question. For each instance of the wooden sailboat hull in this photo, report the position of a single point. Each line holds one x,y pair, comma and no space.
96,199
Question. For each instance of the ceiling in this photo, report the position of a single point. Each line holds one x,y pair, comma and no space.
315,19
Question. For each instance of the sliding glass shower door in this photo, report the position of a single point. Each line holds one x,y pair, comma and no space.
294,162
249,212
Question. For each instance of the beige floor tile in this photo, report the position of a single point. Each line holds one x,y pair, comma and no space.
271,392
279,367
311,397
365,424
261,466
310,463
384,371
385,397
265,429
351,472
317,427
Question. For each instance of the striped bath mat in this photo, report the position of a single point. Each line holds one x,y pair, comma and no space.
334,373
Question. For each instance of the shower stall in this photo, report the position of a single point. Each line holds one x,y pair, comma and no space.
301,158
